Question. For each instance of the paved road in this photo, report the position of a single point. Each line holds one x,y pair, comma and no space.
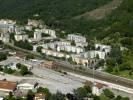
97,75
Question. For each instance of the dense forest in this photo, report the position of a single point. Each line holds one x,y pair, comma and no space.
49,10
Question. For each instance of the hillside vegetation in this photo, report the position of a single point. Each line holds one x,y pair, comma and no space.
100,12
49,10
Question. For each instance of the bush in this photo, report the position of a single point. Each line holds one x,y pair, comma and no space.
108,93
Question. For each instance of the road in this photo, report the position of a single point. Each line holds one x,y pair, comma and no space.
97,75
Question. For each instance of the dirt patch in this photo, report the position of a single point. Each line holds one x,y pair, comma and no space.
100,12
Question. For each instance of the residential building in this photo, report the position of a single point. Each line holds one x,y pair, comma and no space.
29,28
19,30
12,65
27,85
81,44
49,64
76,38
63,42
7,26
104,48
94,54
1,98
37,35
70,48
21,37
80,60
51,32
34,23
39,96
54,53
5,37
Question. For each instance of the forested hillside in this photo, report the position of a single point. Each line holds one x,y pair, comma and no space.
49,10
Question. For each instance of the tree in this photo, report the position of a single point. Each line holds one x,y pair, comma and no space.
125,66
110,62
108,93
8,70
80,92
118,97
73,43
24,45
71,96
30,95
12,36
18,65
10,97
24,70
125,98
101,62
39,49
116,54
88,88
3,56
45,91
58,96
29,56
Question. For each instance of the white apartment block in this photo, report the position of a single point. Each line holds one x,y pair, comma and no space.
54,53
19,37
76,38
101,47
7,26
51,32
65,43
93,54
81,44
34,23
5,37
29,28
37,35
80,60
19,30
68,48
52,45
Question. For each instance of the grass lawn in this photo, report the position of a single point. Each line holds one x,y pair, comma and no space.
124,74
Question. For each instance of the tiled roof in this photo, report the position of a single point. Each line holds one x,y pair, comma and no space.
8,85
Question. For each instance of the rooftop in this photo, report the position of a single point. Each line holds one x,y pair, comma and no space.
8,85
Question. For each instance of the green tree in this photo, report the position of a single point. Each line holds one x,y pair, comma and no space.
24,70
29,56
18,65
108,93
45,91
30,95
58,96
110,62
80,92
3,56
39,49
24,45
73,43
